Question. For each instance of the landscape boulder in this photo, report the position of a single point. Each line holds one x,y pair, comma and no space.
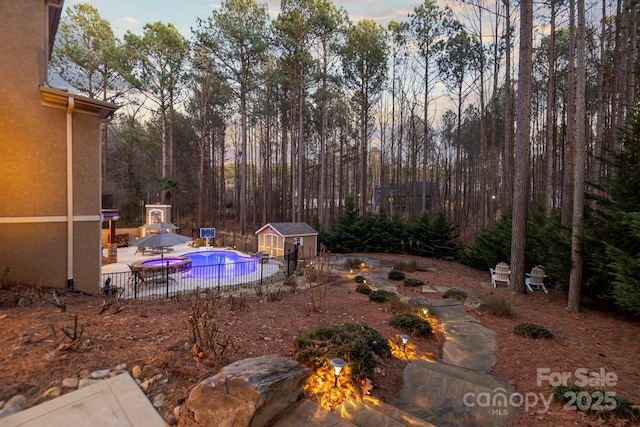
249,392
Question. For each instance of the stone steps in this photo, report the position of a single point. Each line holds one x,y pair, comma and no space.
371,412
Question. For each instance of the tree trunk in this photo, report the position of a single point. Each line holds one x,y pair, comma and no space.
575,279
521,182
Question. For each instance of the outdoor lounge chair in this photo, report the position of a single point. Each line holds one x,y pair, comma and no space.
501,273
535,279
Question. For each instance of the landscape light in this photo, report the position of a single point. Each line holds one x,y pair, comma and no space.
405,339
337,364
425,310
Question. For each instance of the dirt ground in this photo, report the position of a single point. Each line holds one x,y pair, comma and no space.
40,344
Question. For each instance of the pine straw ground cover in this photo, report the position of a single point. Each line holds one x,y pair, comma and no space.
38,348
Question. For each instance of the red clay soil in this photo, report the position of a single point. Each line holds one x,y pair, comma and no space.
38,348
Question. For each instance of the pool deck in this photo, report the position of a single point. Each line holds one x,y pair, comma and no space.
127,255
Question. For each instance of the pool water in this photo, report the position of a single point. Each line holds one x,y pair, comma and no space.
220,264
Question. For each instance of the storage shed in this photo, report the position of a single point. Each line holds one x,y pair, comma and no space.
277,238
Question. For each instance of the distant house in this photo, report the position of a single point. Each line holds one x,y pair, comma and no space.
277,238
50,203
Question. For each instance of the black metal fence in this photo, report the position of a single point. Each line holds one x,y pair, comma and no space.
161,283
291,258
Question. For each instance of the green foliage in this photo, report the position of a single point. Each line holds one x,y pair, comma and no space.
413,282
412,324
363,289
360,279
532,330
491,245
612,228
354,263
455,293
356,343
433,237
380,295
396,275
548,244
497,306
409,267
619,406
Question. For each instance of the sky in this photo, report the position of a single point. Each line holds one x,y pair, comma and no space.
132,15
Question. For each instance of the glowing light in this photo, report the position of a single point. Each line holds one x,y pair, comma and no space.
337,364
425,311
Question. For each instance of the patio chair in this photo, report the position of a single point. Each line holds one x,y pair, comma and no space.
535,279
500,274
110,290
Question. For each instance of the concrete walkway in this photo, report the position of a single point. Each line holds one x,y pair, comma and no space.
116,402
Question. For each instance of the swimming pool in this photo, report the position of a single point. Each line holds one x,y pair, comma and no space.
217,264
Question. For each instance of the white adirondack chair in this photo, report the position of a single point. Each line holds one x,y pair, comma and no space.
500,274
535,279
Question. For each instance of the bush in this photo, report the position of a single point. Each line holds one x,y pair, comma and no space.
455,293
380,295
363,289
497,306
409,267
532,330
356,343
354,263
413,282
360,279
396,275
620,406
412,324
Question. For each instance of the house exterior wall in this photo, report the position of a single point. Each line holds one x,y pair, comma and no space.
33,157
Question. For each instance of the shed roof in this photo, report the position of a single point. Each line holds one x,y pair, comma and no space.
290,229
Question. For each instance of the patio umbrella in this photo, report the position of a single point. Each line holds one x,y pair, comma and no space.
161,239
160,226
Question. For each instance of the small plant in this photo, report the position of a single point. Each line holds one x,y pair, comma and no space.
207,338
356,343
532,330
397,305
412,324
317,275
363,289
409,267
412,282
396,275
455,293
360,279
354,263
380,295
593,399
497,306
274,295
238,302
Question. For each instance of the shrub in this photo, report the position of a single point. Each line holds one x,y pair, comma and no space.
396,275
413,282
356,343
498,306
412,324
380,295
409,267
455,293
359,279
532,330
619,406
354,263
363,289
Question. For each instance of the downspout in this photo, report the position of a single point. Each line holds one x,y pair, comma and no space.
70,106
